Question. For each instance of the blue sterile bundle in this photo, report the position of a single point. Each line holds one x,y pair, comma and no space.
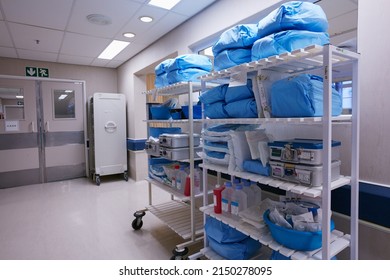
239,36
235,93
215,94
287,41
301,96
245,108
161,73
255,166
229,242
232,57
294,15
187,61
185,75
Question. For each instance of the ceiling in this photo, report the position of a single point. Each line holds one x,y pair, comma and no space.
58,30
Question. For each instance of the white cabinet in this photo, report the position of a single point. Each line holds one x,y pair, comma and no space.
323,61
107,133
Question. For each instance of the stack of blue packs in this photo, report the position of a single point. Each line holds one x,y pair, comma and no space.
293,25
184,68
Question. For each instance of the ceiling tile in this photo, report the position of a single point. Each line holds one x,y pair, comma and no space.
118,10
46,13
82,45
140,28
25,38
8,52
343,23
162,27
130,51
71,59
5,38
99,62
114,63
190,7
36,55
336,8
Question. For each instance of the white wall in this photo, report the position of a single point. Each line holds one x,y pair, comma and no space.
97,78
373,44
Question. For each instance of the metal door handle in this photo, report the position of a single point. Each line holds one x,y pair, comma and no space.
47,126
110,126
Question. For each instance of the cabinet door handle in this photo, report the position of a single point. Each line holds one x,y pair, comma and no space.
32,127
47,128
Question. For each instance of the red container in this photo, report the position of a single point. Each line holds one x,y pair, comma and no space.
218,199
187,186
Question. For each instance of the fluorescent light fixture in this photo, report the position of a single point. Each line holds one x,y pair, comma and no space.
113,49
68,91
165,4
128,35
146,19
62,96
19,96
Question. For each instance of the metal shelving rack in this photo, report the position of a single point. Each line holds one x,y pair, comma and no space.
179,213
320,59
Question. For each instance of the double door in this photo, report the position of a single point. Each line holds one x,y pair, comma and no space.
41,131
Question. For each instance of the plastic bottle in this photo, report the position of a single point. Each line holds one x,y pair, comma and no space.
236,181
226,197
238,200
250,194
180,178
197,181
218,198
256,189
173,177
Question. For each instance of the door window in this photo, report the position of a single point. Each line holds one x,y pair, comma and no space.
64,104
11,103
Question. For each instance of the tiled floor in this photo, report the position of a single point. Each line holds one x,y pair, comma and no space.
76,219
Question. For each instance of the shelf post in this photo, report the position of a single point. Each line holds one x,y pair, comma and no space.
192,164
355,162
327,140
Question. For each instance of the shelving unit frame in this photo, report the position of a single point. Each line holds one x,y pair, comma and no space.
322,59
180,213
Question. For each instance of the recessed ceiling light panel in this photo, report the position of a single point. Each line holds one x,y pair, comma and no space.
165,4
146,19
113,49
99,19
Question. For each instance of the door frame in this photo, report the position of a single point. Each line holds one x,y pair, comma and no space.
84,97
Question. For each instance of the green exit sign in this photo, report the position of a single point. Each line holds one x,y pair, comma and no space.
37,72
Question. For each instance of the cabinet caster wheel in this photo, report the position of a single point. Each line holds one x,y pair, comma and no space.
97,180
177,258
178,254
126,176
137,224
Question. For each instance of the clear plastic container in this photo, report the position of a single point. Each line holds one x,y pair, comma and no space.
256,189
226,197
250,193
197,180
238,200
181,176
